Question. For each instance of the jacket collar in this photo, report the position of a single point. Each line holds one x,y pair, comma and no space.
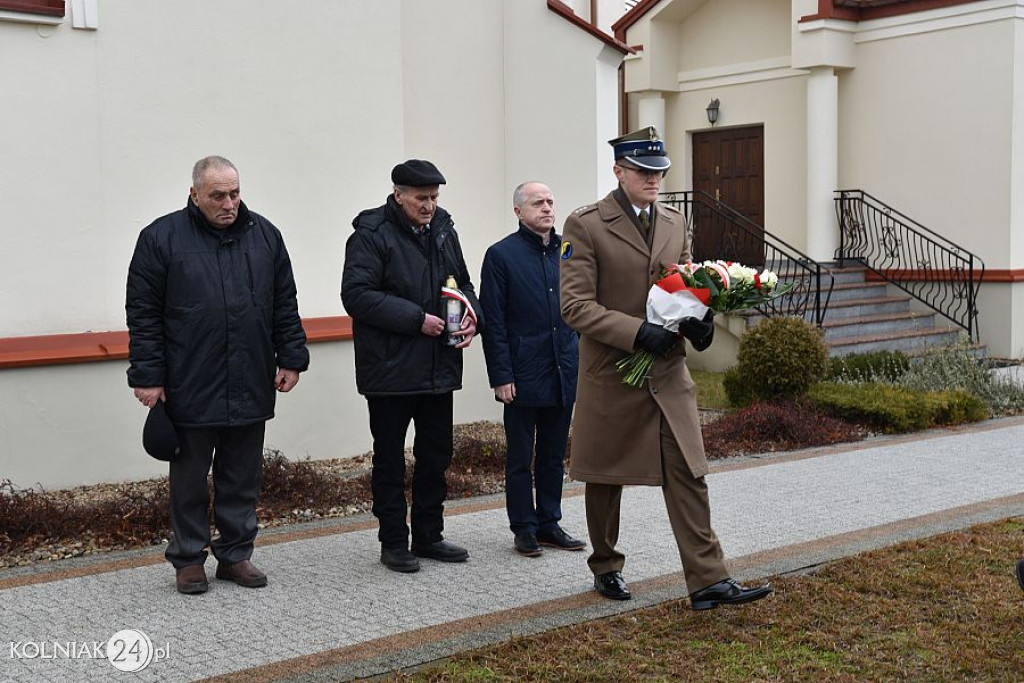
620,223
535,240
234,229
397,216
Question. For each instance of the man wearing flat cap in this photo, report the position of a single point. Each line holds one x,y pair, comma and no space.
397,261
647,436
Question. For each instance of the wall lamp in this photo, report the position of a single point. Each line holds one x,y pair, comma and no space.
713,112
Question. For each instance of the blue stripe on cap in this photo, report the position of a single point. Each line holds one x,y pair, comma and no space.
631,148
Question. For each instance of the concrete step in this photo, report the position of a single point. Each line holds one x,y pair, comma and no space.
848,275
858,308
906,341
865,316
978,351
858,290
876,325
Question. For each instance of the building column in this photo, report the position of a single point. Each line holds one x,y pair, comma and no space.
822,162
650,111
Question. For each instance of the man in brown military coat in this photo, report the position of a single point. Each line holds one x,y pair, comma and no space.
612,253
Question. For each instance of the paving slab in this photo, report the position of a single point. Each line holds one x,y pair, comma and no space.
333,612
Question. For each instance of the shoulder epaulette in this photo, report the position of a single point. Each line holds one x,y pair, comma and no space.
584,209
669,207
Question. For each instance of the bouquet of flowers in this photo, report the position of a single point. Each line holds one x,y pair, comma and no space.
691,290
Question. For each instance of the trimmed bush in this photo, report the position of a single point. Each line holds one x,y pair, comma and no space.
892,409
878,366
956,406
737,390
780,358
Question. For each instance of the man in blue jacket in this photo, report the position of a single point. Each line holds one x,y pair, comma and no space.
532,360
214,329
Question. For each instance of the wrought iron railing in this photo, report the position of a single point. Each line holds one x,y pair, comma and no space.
941,274
732,236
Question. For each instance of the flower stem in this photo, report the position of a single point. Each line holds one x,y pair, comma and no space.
636,368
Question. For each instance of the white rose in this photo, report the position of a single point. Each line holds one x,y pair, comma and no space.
738,273
769,279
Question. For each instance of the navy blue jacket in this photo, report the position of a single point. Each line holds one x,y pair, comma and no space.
526,340
212,313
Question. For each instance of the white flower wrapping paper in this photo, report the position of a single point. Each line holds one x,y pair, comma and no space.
668,310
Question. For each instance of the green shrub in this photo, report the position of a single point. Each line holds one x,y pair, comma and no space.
877,366
954,367
891,409
956,406
737,390
780,358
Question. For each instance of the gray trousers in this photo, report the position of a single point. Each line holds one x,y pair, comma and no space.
237,476
686,499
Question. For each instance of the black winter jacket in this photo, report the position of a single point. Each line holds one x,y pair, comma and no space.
212,313
527,342
391,279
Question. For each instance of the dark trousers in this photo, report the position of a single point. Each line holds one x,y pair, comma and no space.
237,474
689,512
548,430
431,415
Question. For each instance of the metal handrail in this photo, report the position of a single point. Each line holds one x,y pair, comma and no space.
927,266
737,234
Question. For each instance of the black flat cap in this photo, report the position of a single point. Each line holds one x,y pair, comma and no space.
159,437
416,173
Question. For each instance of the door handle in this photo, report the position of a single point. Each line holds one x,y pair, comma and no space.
718,195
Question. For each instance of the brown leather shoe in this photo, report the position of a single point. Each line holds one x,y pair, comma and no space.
191,579
243,573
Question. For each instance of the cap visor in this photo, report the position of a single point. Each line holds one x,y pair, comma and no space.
649,163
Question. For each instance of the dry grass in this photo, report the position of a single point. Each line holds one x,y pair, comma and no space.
772,427
945,608
41,526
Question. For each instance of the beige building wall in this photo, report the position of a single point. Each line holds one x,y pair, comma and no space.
746,66
926,119
315,103
927,126
929,114
559,114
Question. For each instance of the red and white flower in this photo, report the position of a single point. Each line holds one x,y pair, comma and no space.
687,290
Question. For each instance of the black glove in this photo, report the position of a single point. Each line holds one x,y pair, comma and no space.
700,332
656,339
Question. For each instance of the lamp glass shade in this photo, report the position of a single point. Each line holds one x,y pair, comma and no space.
713,112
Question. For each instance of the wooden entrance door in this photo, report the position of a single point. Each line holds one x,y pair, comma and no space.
728,165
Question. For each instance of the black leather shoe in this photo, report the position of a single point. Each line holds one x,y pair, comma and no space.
612,585
557,538
442,551
727,592
526,544
1020,573
399,560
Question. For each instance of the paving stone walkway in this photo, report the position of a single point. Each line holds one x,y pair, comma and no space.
332,612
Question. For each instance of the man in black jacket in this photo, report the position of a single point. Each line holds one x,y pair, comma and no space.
214,329
396,263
